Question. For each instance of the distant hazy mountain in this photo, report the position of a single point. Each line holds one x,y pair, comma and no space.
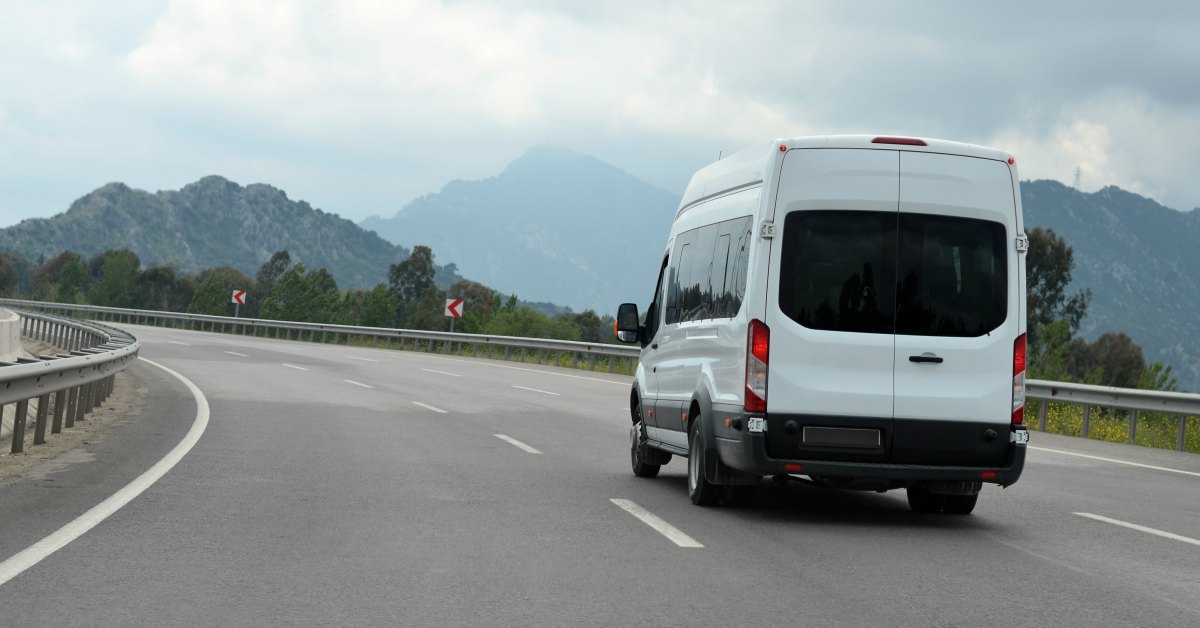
1141,261
555,225
212,222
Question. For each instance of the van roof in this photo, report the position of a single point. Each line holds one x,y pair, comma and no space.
749,166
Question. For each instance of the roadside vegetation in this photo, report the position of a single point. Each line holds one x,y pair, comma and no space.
286,290
1057,354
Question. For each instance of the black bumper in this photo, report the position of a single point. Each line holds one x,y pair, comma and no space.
747,452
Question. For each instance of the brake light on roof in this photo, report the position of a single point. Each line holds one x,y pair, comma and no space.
758,350
903,141
1018,394
783,148
1011,161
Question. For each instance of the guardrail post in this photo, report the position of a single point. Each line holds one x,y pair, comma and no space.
60,399
1133,426
72,403
39,432
18,443
1042,416
1181,435
81,402
1087,418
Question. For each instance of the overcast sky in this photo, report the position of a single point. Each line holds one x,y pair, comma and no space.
359,107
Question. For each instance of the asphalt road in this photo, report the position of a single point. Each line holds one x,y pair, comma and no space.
352,487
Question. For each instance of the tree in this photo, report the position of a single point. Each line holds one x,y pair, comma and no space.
426,311
479,304
72,279
9,275
409,279
272,270
161,288
216,287
1158,376
301,295
1116,356
1048,268
118,274
368,308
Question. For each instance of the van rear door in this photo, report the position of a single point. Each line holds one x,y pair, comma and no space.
957,310
830,304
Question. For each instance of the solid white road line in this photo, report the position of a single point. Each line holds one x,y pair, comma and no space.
352,357
293,366
442,373
544,392
176,342
516,443
429,407
350,381
32,555
654,521
240,355
1134,526
1126,462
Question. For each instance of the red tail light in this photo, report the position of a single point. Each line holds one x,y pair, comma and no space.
1018,396
758,350
903,141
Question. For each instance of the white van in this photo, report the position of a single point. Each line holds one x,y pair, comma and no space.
846,308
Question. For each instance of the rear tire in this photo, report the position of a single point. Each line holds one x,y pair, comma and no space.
960,504
921,500
700,490
740,495
637,448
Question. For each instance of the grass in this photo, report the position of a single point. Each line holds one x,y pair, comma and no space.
1106,424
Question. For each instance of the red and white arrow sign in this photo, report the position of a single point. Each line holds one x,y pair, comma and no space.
239,297
454,308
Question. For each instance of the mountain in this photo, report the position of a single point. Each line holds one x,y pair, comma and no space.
212,222
555,225
1140,260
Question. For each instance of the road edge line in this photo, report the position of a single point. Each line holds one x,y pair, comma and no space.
16,564
658,524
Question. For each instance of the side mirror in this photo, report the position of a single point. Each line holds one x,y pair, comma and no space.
627,324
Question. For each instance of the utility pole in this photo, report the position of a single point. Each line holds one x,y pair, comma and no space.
1078,176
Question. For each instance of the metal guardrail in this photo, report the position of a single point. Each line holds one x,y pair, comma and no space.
543,348
77,381
1182,405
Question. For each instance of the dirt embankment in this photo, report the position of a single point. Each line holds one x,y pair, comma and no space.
71,446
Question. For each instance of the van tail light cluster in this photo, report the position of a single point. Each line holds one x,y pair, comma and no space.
758,350
1018,396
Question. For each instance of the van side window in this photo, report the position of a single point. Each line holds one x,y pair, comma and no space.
720,266
678,270
707,274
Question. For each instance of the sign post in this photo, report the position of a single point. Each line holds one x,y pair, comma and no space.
239,297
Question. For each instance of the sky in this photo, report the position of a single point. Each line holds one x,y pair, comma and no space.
360,106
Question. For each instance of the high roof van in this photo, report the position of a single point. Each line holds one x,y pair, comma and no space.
849,310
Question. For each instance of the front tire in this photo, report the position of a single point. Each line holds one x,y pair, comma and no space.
700,490
637,452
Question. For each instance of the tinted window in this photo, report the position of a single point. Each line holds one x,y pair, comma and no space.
706,276
838,270
953,276
886,272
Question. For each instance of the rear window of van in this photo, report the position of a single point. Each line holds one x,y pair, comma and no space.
890,272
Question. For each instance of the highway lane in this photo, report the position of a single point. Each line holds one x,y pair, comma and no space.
316,500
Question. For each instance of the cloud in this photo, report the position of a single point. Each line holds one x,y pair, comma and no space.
360,105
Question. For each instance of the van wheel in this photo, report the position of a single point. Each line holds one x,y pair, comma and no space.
960,504
921,500
637,448
739,495
700,490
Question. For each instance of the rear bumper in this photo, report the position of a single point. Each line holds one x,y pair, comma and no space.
748,452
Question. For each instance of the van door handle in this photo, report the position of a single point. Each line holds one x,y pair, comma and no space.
927,358
654,346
